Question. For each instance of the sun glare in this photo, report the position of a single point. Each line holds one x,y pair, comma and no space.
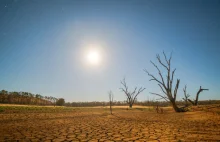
93,57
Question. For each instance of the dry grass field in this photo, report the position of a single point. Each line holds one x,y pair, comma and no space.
29,123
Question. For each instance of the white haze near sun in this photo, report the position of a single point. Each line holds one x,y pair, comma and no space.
93,57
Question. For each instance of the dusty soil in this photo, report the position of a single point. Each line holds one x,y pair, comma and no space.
96,124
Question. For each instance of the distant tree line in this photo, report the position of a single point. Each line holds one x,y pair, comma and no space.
94,103
141,103
28,98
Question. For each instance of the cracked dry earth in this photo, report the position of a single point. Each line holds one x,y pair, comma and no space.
92,124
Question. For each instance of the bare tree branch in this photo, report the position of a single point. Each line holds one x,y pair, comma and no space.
170,57
171,81
186,96
158,58
159,74
134,91
176,88
192,102
139,91
162,89
165,58
154,78
165,98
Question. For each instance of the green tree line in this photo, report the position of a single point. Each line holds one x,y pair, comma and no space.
26,98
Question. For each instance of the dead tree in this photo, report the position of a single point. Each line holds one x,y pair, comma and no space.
159,109
186,96
110,100
195,102
131,96
166,84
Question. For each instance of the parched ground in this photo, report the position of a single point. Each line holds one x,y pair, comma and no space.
96,124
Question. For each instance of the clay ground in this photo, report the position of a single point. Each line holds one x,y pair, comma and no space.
96,124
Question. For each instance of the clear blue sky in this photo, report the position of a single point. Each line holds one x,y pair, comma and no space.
41,45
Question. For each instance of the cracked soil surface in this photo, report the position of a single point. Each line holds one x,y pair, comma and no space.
96,124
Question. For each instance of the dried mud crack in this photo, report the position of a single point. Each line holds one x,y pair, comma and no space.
99,126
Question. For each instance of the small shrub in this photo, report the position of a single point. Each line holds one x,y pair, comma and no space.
1,109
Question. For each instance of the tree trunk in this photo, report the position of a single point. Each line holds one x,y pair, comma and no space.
197,95
111,108
176,108
130,105
197,98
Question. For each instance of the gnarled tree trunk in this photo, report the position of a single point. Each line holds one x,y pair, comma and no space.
195,102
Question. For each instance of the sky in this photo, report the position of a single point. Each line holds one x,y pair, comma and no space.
43,45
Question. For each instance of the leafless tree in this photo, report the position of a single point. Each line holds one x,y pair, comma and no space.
186,96
195,102
110,100
131,96
166,84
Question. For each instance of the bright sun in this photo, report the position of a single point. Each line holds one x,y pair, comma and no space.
93,57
